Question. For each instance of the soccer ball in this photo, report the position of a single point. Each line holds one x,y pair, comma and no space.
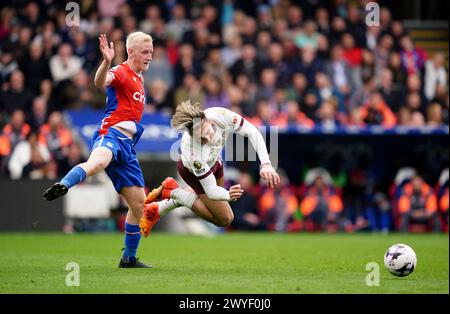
400,260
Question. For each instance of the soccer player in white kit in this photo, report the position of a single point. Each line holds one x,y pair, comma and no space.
204,135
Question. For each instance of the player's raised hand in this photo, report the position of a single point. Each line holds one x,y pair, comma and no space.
106,49
269,174
235,192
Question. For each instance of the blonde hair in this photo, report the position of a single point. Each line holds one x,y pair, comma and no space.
136,37
185,113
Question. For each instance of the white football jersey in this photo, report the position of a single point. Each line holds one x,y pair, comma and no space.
199,159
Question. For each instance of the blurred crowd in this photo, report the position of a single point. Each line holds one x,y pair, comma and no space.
275,62
320,203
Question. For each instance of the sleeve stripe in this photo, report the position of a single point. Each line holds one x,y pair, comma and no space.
204,175
240,124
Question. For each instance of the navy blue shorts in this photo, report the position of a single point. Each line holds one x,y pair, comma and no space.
124,169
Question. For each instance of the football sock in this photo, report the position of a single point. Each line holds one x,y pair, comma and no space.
165,206
132,238
73,177
183,197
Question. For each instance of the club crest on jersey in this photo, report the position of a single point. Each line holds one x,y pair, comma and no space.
197,165
139,96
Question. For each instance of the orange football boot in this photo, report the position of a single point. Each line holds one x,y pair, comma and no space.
149,218
163,191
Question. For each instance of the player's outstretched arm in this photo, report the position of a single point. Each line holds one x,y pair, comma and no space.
267,172
102,78
217,193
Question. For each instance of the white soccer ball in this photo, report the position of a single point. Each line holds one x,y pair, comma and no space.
400,260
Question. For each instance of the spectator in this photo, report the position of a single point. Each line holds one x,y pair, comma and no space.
232,52
276,62
321,207
85,50
158,98
178,24
29,158
378,212
327,116
248,90
435,75
393,96
268,84
398,74
7,63
309,64
278,205
215,95
418,206
264,114
417,119
338,28
74,157
298,88
110,8
248,64
35,67
215,67
186,63
322,18
17,129
372,37
309,105
325,91
64,65
434,115
308,37
17,96
339,71
397,31
376,112
152,14
413,59
38,115
191,89
356,26
55,136
361,96
382,52
353,56
246,216
161,69
293,117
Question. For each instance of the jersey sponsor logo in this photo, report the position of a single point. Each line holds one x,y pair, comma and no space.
197,165
139,96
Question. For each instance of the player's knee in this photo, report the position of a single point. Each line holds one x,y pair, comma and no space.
226,220
101,164
137,207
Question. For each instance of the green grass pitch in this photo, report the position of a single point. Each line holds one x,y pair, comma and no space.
227,263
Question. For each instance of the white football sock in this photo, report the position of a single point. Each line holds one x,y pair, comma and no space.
183,197
165,206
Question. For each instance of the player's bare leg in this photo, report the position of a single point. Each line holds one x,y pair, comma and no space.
134,197
217,212
98,160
